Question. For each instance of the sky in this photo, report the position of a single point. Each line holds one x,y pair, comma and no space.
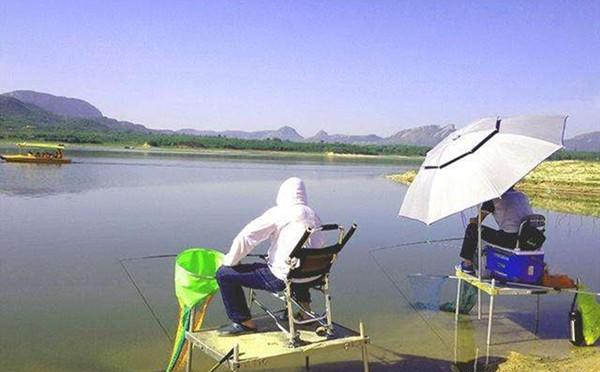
343,66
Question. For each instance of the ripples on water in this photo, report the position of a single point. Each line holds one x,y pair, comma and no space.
66,304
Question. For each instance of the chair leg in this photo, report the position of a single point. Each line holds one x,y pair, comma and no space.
328,305
250,299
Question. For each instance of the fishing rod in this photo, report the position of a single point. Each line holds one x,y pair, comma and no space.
139,291
568,290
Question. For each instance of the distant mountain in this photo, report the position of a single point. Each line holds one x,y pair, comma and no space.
284,133
584,142
428,135
421,136
24,108
71,107
13,107
34,110
324,137
196,132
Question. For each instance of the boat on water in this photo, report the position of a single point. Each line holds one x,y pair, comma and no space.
38,153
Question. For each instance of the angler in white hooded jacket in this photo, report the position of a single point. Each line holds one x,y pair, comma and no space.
283,225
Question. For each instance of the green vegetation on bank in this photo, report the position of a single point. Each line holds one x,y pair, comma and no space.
164,140
200,142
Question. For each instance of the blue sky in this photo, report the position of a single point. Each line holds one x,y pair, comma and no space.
343,66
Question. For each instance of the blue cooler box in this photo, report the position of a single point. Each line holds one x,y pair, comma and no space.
508,265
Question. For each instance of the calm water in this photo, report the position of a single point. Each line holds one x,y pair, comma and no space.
66,304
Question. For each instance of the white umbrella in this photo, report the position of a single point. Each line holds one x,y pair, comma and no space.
480,162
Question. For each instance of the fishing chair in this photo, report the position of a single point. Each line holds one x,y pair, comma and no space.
530,223
307,263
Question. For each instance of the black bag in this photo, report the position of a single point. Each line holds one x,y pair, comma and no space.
576,325
531,239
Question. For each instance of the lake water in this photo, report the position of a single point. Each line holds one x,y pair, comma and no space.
67,305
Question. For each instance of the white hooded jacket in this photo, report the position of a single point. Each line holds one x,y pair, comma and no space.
283,224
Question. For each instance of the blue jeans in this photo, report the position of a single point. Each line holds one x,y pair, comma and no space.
232,279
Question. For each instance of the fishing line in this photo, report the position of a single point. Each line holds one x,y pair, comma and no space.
139,291
414,243
397,287
388,276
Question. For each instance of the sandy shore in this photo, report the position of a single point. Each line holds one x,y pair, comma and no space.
579,360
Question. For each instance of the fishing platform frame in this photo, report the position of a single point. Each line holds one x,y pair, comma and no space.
309,267
269,348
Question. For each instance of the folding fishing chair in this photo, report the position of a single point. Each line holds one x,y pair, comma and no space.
536,221
304,263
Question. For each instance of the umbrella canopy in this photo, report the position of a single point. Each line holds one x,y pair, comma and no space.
480,162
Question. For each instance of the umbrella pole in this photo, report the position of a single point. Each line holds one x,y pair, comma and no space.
479,260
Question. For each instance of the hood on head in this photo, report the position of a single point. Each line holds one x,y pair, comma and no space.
292,192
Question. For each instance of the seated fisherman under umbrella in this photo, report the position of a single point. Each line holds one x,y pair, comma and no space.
283,225
508,211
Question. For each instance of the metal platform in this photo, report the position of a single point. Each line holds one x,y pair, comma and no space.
494,288
269,346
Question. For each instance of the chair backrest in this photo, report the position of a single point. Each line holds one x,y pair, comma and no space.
315,262
533,221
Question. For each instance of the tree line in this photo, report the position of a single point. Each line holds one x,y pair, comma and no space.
132,138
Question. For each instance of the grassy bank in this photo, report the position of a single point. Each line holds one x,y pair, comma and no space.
570,186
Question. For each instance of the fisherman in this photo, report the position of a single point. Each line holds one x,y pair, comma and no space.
283,225
508,211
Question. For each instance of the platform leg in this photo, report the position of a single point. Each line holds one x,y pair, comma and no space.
365,352
292,326
236,358
537,315
479,263
307,363
456,311
491,315
188,367
455,342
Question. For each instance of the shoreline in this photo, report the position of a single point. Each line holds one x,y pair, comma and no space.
233,153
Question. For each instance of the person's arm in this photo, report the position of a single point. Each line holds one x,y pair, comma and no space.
486,209
257,231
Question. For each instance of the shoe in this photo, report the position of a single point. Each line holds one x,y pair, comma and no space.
466,268
234,329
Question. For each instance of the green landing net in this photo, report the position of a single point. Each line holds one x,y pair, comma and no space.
195,284
590,314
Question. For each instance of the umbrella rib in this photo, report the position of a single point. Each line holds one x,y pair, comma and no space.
496,131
